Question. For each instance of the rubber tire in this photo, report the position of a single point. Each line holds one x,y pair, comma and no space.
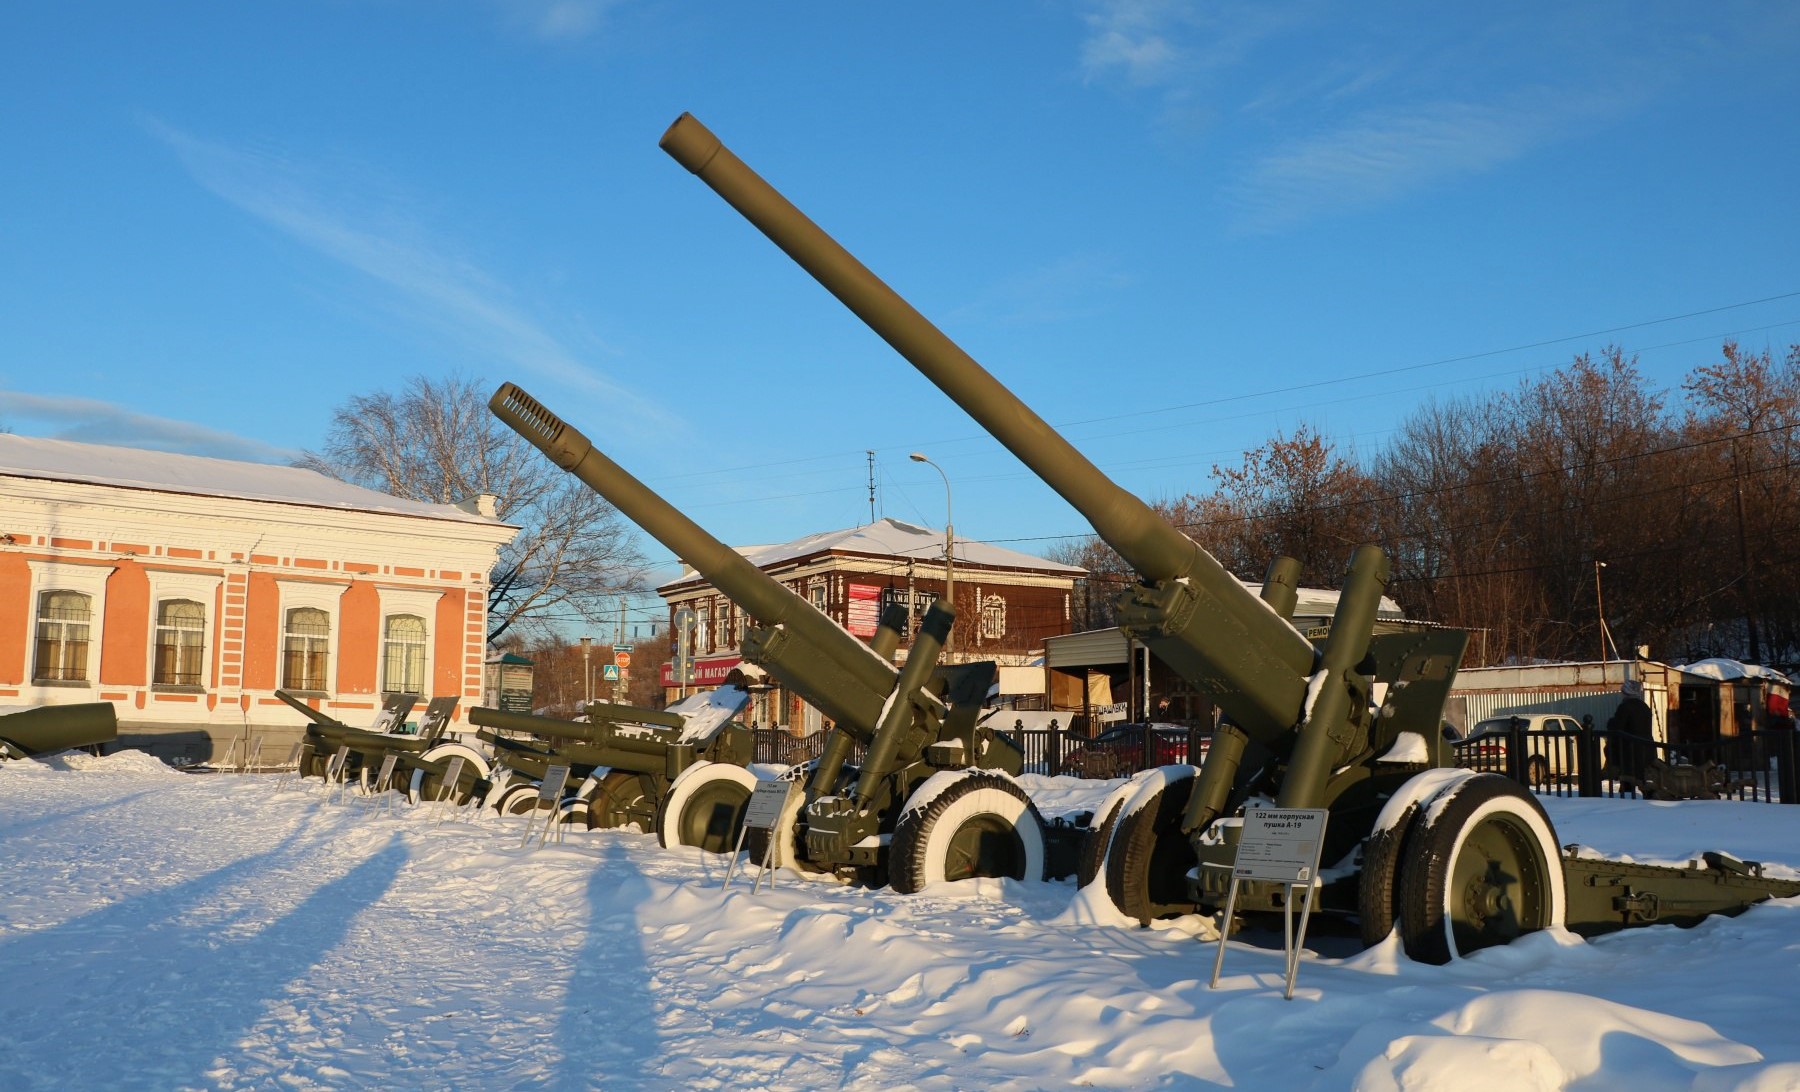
1149,858
707,786
932,844
1378,882
518,800
622,797
1537,771
1092,863
1487,818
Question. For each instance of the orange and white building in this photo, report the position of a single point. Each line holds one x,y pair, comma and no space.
186,590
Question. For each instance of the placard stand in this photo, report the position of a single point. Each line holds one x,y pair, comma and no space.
384,779
334,773
253,764
294,759
445,805
1278,845
767,802
549,792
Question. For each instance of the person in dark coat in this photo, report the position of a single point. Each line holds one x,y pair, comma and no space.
1629,732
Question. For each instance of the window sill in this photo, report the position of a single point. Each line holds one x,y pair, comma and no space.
323,694
81,683
176,688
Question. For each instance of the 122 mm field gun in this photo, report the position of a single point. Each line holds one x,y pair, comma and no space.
932,798
626,761
1349,724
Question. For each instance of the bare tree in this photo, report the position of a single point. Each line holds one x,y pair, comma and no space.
435,440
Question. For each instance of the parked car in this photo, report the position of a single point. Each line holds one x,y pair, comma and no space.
1120,752
1552,746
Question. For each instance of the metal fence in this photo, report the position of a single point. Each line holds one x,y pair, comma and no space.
1757,766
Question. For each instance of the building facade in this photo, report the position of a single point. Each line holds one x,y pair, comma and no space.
1008,603
186,590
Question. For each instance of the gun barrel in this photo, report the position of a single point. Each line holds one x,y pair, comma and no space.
1145,540
749,587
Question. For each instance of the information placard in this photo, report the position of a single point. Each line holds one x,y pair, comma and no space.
767,802
1280,845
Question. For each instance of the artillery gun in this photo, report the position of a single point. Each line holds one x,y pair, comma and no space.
1349,724
625,760
421,759
44,729
933,798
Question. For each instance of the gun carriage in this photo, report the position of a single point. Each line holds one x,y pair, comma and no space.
625,760
422,758
934,797
1349,723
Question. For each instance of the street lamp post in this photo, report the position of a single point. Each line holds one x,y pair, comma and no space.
587,672
949,547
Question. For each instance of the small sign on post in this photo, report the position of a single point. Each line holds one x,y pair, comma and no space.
1277,845
295,759
253,764
549,794
447,789
767,801
334,770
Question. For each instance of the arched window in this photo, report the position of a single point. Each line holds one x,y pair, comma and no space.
403,654
305,649
62,636
180,643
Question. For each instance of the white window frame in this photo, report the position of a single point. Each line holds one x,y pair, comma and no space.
993,606
325,597
202,588
422,602
89,580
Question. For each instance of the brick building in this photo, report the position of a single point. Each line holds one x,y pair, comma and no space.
1008,603
185,590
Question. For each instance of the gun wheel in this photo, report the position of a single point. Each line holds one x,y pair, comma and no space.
1378,884
1093,849
621,799
1481,869
1149,858
705,807
980,824
427,781
518,800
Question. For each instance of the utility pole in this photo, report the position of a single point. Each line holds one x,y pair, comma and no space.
1737,481
871,456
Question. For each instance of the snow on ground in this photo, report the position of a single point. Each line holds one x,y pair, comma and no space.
169,931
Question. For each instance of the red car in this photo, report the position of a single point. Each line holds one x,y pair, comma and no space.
1120,751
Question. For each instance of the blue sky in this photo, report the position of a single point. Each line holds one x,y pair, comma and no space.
1174,229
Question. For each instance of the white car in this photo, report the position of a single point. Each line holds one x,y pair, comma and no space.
1552,746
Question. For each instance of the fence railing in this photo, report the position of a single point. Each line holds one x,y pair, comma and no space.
1758,766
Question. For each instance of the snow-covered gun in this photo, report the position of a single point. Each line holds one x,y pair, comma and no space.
624,760
1348,722
917,722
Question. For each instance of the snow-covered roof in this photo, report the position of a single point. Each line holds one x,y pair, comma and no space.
197,475
890,538
1723,670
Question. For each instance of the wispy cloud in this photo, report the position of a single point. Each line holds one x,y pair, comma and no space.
1379,156
1313,109
92,421
556,20
354,223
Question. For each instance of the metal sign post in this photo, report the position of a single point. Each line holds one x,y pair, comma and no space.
767,802
445,805
295,759
334,771
549,793
253,764
1278,845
